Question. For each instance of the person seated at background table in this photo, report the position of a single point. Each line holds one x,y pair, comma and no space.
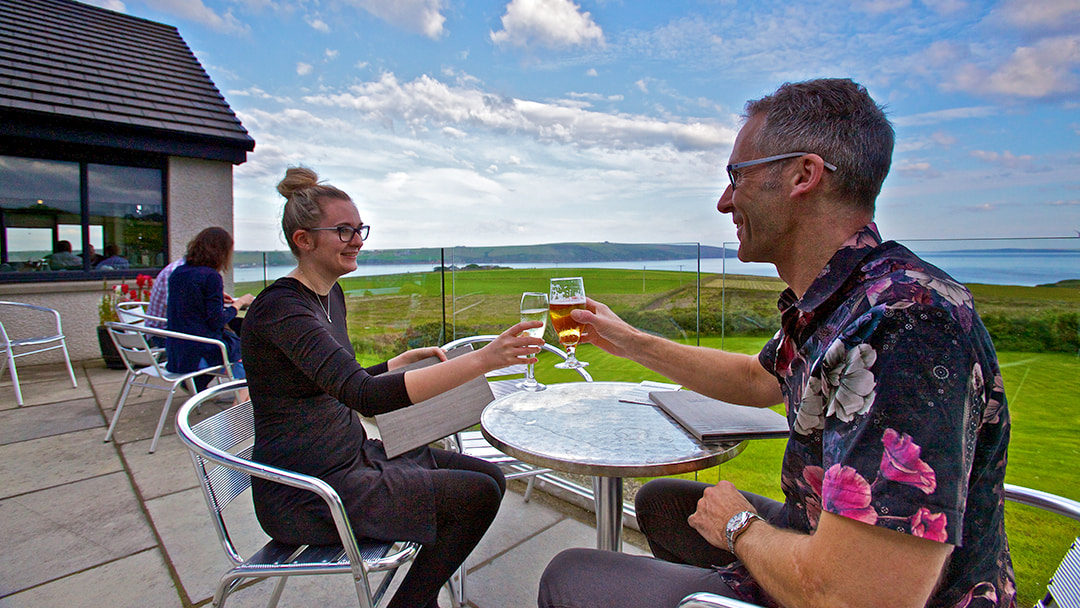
112,260
196,305
899,427
306,387
63,259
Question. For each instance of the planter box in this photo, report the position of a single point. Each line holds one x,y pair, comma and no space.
108,349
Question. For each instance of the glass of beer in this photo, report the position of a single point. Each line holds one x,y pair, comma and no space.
534,307
566,295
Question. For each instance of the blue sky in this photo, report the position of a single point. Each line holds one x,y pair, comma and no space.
460,122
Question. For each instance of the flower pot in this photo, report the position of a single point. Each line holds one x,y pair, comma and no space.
108,349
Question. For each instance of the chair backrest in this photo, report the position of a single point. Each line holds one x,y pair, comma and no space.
133,313
20,314
221,447
133,347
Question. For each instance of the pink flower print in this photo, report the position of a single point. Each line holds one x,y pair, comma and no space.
931,526
847,379
982,591
845,492
900,462
813,477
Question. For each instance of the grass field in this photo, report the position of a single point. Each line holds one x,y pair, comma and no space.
1042,387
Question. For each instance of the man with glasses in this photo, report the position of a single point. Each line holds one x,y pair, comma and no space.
893,469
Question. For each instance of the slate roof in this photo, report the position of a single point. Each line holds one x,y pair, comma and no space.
74,72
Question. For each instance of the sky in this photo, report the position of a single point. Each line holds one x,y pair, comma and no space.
505,122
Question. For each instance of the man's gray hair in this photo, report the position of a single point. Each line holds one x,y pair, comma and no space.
835,119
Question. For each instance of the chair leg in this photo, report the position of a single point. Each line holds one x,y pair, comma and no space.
119,406
15,379
161,419
458,595
279,586
529,487
67,359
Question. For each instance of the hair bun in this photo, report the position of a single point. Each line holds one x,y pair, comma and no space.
296,178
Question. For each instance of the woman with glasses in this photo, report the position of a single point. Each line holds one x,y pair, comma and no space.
306,388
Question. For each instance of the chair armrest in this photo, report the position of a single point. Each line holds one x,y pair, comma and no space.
709,600
1046,501
54,313
165,333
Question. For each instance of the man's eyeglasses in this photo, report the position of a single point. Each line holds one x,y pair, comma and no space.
733,170
345,233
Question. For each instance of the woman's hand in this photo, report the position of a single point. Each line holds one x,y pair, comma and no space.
511,345
414,355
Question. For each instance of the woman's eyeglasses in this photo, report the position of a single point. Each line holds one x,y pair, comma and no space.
346,233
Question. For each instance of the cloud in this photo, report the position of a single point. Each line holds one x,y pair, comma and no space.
548,23
332,54
303,69
880,6
1046,69
1065,203
938,116
917,170
196,11
591,72
426,103
318,24
1005,159
982,208
1038,15
421,16
946,7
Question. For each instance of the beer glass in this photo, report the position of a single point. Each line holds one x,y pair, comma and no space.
534,307
567,294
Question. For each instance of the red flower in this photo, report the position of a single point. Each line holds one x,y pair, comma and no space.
925,524
124,289
845,492
900,462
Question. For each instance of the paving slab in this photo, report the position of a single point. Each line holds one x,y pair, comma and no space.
35,422
191,544
166,471
516,522
37,389
58,531
32,465
138,581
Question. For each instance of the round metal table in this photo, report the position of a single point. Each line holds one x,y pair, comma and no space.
585,428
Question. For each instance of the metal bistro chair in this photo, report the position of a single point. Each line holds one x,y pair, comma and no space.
134,313
502,381
220,449
1063,591
146,370
37,343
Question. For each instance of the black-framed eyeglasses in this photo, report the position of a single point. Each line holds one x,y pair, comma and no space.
733,169
345,233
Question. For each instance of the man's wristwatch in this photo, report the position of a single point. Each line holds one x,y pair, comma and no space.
737,525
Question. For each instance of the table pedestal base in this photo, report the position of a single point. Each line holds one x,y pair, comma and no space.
608,500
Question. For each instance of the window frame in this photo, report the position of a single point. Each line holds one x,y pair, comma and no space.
86,156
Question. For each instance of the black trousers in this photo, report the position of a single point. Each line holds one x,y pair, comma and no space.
683,564
468,492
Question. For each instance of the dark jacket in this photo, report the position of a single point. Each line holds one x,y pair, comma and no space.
197,306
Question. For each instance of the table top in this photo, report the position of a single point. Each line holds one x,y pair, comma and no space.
584,428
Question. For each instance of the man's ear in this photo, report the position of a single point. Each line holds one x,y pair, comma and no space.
809,171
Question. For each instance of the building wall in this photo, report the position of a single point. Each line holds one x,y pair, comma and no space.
199,195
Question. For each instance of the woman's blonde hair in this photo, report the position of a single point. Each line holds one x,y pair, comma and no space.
303,201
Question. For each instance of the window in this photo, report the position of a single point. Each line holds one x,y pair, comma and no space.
59,217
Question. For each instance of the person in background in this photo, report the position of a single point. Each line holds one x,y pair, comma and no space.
196,305
63,259
895,461
112,259
306,387
159,295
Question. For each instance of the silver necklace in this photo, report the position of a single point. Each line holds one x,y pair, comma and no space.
318,298
327,308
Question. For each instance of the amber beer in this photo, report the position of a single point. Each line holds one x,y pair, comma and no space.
569,330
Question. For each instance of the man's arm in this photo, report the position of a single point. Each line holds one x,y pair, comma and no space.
844,563
732,377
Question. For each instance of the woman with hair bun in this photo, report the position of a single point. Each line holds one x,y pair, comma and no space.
306,388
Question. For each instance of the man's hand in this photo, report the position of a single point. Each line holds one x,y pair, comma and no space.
717,505
606,330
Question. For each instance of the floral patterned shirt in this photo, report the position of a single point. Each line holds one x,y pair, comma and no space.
897,413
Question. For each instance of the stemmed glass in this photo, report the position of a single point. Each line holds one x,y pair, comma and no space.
534,307
567,294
